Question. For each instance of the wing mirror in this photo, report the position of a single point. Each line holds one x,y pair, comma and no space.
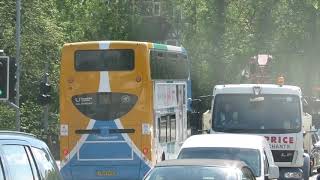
305,105
196,105
273,172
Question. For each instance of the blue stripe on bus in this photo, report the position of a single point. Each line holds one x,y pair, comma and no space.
105,151
104,126
88,169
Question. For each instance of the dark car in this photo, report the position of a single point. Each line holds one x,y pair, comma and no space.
23,156
204,169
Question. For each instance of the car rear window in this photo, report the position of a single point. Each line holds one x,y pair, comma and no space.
45,164
183,172
250,156
18,162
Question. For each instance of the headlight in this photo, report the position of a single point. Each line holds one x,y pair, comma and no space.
295,175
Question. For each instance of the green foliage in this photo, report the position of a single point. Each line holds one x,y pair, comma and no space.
219,35
41,39
96,20
287,29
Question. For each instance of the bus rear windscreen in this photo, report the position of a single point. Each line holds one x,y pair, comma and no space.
104,60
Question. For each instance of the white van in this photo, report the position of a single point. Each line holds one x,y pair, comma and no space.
251,149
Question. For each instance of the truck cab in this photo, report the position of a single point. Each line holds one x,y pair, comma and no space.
269,110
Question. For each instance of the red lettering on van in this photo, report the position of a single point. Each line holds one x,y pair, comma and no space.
277,139
291,140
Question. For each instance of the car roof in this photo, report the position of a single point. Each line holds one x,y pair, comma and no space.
265,89
202,162
226,140
15,135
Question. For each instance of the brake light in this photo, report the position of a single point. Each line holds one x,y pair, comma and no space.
145,151
65,152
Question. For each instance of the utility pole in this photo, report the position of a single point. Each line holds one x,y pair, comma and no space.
46,107
18,8
45,89
46,112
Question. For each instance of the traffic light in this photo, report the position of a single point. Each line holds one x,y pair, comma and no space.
12,79
4,77
44,97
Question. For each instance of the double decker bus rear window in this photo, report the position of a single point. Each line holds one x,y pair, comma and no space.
168,65
104,106
104,60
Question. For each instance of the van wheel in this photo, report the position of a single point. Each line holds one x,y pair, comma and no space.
318,170
311,166
306,166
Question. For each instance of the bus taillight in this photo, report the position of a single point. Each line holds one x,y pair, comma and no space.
65,152
145,151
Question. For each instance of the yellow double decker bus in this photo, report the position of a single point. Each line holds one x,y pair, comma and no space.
123,107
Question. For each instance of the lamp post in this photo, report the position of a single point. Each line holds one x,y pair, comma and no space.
18,8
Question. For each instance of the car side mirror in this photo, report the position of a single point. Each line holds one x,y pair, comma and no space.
196,105
305,105
273,172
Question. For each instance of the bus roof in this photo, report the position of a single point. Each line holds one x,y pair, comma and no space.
157,46
248,89
166,47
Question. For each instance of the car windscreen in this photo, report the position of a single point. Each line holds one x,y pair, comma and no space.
250,156
268,113
192,173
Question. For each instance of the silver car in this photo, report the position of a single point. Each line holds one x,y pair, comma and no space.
204,169
23,156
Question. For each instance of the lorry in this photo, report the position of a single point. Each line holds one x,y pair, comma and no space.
270,110
274,111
